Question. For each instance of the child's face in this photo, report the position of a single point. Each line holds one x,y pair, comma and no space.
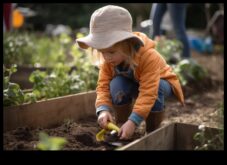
113,55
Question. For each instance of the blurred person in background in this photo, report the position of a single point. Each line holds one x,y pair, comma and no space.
177,12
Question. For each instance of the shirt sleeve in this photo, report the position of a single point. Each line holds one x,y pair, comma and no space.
137,119
102,108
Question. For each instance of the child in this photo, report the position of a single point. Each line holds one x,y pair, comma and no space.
132,69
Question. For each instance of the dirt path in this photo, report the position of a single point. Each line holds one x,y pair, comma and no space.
202,105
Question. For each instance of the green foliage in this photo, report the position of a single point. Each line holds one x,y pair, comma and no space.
189,70
169,48
50,143
58,83
59,80
206,139
18,48
209,141
50,51
30,97
7,72
186,69
13,95
87,71
35,50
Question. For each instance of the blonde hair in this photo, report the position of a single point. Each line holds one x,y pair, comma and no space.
126,46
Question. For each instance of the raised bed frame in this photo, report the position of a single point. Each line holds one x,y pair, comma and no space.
53,112
175,136
50,112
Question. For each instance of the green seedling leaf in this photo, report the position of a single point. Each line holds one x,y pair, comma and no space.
50,143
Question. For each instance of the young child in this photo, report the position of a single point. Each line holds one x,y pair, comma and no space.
134,78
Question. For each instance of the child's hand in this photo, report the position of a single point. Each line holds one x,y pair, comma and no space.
127,130
103,118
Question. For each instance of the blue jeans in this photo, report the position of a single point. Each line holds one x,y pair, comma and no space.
177,13
123,90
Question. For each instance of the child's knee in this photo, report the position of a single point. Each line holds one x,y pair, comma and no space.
119,90
120,98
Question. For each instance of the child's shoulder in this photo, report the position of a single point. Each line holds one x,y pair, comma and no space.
146,39
148,42
140,34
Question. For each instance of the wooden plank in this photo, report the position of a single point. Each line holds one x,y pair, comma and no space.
160,139
176,136
51,112
184,135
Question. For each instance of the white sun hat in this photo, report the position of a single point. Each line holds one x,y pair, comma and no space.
108,25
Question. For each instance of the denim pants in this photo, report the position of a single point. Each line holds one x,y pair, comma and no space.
123,90
177,13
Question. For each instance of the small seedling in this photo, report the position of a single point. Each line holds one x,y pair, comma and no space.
50,142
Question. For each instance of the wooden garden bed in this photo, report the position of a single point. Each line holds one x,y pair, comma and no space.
22,123
175,136
72,117
50,112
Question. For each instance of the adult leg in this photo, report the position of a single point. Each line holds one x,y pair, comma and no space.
178,15
157,12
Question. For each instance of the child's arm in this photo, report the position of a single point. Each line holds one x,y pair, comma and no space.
103,100
150,67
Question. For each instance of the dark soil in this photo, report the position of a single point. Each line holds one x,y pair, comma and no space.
79,135
202,100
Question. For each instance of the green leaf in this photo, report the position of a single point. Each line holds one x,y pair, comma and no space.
50,143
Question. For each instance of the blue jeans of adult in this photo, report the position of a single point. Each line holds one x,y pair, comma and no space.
177,13
123,90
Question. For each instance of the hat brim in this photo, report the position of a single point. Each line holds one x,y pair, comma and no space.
106,39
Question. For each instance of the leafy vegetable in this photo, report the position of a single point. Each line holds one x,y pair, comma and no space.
189,70
50,143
